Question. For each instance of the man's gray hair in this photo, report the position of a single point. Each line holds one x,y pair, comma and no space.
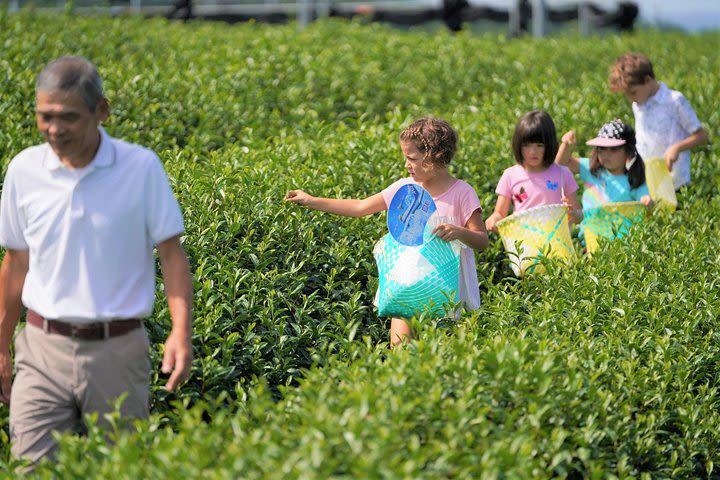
67,74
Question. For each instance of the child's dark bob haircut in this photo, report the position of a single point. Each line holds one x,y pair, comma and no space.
535,127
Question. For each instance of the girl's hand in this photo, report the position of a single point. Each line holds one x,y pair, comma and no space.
298,196
574,215
491,224
569,138
564,154
647,201
448,232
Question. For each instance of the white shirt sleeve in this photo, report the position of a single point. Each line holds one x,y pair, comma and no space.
12,220
686,115
163,215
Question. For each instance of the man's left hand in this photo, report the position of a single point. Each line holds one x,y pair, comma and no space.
177,360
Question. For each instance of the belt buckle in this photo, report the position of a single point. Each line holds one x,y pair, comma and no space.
76,331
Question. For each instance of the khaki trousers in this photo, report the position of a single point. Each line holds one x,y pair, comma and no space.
59,379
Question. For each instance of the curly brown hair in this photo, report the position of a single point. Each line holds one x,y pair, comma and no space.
629,70
434,137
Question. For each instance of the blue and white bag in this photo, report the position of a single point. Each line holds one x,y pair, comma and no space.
414,279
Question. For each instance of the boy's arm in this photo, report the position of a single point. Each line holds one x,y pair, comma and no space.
563,156
699,137
339,206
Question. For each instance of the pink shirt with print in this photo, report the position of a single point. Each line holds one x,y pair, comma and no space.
535,189
454,206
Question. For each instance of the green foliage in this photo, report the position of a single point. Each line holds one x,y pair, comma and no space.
606,368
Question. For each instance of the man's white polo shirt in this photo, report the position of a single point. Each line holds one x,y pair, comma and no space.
90,232
665,119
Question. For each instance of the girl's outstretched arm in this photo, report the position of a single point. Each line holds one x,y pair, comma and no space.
340,206
473,234
502,207
564,156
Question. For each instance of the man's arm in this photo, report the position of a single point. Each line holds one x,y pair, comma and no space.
178,288
12,278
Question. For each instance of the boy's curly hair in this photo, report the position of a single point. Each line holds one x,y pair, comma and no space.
629,70
434,137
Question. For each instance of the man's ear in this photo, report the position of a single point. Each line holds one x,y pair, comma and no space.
102,110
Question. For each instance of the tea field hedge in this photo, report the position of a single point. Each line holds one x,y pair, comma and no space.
604,368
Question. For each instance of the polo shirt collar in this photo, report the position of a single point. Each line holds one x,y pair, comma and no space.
660,95
103,158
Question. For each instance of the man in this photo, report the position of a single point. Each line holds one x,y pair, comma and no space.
79,217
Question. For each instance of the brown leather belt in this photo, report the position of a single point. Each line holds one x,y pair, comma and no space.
84,331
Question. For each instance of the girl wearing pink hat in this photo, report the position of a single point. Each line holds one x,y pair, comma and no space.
614,172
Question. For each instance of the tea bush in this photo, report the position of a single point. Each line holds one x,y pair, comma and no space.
603,368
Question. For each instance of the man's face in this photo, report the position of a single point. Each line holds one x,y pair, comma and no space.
69,126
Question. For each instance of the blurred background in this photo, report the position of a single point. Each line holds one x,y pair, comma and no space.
538,17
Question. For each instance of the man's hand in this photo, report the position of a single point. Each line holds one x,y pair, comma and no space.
177,359
5,376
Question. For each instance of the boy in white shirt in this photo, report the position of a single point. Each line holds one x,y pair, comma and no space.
666,125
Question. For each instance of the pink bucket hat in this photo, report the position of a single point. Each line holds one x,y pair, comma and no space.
614,134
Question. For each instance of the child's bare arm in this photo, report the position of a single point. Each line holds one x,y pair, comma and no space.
473,234
575,212
564,156
339,206
502,207
699,137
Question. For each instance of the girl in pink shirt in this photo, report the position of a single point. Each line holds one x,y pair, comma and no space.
536,180
428,146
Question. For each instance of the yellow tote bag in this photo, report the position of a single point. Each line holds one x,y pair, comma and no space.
660,183
612,220
537,231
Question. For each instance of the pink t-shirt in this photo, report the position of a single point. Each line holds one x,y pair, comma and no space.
454,206
535,189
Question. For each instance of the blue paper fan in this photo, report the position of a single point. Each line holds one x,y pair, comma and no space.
409,211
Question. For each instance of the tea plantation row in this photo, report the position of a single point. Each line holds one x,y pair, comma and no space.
604,368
